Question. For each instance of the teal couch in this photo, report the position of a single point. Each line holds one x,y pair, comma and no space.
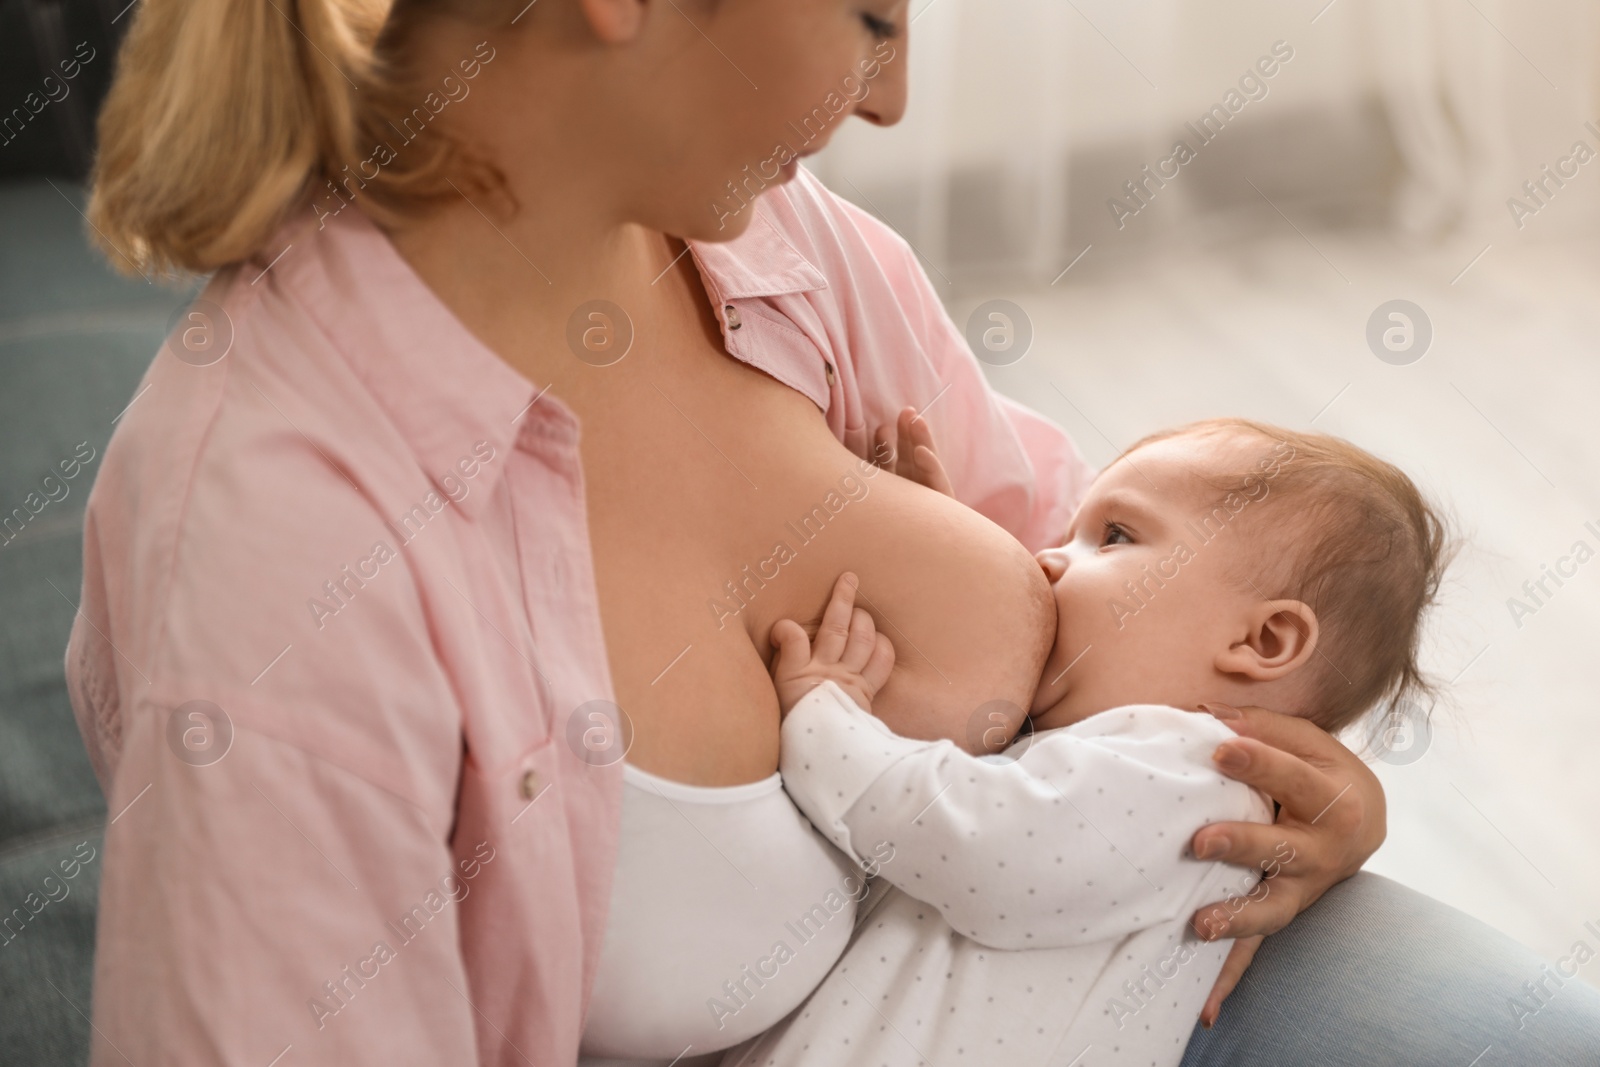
74,340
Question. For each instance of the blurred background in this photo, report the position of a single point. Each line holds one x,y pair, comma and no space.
1380,224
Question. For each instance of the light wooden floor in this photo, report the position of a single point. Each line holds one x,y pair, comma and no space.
1501,816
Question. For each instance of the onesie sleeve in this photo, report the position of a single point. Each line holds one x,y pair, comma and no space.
1077,835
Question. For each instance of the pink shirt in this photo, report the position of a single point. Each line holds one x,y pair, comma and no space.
355,537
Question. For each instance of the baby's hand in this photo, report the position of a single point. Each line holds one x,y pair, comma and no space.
913,457
849,651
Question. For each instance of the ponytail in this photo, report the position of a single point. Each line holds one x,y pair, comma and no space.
224,115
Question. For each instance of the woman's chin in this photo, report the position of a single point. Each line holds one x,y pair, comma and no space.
720,220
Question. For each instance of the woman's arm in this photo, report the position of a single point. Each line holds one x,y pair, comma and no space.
273,823
264,901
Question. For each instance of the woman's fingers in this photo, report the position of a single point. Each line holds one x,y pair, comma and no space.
1307,791
890,444
1356,806
916,430
906,465
1258,846
906,447
1288,862
1287,732
834,632
883,449
1233,968
1330,821
924,456
1265,910
931,472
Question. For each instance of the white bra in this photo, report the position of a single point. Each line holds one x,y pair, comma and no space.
720,921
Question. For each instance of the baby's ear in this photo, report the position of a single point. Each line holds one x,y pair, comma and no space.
1281,636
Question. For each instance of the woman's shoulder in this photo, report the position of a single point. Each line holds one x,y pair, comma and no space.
241,479
254,413
300,392
241,545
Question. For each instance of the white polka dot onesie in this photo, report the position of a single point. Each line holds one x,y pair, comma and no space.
1040,902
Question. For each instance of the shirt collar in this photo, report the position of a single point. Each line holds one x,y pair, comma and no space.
759,262
444,390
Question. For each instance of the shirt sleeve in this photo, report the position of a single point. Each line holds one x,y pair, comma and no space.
281,788
272,900
1079,835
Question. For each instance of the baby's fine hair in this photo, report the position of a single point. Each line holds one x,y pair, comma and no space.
1365,550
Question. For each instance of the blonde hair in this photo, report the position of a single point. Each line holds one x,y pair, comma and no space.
1368,557
225,115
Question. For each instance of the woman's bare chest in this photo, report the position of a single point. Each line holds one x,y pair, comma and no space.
692,480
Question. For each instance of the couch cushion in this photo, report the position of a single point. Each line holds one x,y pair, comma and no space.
74,340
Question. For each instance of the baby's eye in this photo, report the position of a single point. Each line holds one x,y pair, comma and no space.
1114,535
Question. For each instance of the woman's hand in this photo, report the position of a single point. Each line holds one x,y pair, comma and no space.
913,457
1332,817
849,651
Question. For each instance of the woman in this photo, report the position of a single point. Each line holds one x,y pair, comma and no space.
479,455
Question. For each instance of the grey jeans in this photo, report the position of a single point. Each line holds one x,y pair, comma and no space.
1377,974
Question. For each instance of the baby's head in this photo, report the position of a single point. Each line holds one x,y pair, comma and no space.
1236,562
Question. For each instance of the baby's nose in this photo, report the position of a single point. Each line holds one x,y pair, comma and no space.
1054,563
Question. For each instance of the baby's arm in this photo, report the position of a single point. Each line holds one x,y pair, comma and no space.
1082,838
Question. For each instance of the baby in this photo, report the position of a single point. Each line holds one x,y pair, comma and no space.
1225,562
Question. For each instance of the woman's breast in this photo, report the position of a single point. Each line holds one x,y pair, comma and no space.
741,508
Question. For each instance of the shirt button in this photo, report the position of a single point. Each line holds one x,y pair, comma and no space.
530,784
731,314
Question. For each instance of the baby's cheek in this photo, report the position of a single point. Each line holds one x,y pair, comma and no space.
1085,608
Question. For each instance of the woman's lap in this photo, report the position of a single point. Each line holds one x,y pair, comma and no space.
1375,973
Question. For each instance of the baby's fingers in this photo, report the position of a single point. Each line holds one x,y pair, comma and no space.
794,648
876,673
834,633
863,642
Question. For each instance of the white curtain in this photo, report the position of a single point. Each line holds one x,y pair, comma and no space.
1463,101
